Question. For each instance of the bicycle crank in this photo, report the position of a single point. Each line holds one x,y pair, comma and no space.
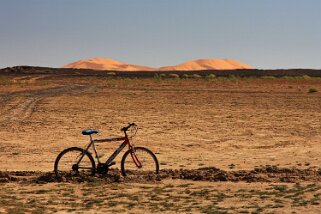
103,168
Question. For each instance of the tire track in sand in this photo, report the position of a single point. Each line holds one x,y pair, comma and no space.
19,106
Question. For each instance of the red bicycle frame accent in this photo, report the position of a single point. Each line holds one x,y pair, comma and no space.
120,148
133,153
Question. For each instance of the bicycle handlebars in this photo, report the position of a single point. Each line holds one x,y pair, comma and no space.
124,129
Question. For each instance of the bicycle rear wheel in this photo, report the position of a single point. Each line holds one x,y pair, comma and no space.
148,160
74,161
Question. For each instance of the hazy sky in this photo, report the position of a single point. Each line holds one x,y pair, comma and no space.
261,33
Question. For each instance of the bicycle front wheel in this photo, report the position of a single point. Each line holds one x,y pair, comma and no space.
146,158
74,161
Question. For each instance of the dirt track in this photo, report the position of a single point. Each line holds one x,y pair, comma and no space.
19,106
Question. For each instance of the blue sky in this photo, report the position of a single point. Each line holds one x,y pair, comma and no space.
262,33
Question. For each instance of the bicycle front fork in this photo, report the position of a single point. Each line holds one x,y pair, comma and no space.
136,160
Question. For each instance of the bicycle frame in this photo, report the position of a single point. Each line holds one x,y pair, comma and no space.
125,142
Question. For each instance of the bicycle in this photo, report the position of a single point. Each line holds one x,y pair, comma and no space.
78,161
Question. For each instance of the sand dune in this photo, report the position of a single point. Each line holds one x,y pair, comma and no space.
207,64
106,64
194,65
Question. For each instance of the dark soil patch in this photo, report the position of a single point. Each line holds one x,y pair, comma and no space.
262,174
212,174
32,70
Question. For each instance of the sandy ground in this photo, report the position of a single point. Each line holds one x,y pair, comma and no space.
230,124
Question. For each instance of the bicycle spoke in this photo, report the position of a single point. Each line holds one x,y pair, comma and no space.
85,168
67,160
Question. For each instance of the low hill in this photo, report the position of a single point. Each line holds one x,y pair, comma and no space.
20,71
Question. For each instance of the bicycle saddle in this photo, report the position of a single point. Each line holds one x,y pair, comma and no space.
89,132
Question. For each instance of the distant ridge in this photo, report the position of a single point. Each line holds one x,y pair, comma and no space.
295,73
194,65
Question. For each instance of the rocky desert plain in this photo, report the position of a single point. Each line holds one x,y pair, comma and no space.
228,141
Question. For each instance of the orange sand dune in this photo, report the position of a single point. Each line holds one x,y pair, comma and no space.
207,64
201,64
106,64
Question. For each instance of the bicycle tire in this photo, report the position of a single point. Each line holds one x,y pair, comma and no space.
67,166
128,166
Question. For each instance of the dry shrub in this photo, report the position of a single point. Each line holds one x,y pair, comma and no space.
312,89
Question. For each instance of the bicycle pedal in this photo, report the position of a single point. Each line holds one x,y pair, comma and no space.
111,164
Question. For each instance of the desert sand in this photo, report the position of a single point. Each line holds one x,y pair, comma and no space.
226,145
